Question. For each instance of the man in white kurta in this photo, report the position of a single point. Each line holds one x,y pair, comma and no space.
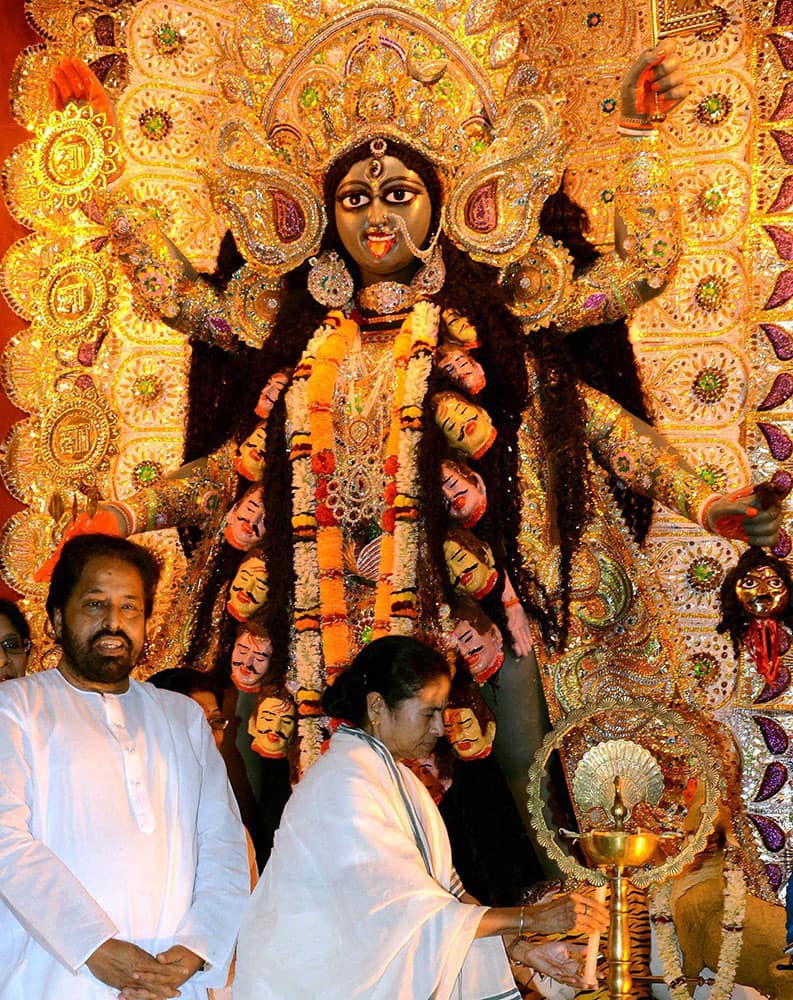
116,822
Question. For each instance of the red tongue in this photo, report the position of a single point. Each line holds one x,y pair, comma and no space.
379,248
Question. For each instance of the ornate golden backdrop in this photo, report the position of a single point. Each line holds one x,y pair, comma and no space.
104,387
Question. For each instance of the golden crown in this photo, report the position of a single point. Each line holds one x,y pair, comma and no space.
301,89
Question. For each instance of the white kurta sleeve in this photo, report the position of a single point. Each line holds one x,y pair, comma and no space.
222,880
48,901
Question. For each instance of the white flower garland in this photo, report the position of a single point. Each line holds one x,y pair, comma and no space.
425,322
305,670
731,935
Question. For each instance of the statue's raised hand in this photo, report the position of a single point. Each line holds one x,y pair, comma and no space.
73,80
655,84
752,514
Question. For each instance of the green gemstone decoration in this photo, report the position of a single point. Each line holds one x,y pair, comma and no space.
146,473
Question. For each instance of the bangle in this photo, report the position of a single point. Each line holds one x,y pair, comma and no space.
636,121
703,510
127,516
522,920
511,602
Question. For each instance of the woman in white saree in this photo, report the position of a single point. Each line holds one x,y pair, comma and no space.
360,898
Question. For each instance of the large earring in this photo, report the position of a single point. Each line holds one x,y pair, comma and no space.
329,281
429,279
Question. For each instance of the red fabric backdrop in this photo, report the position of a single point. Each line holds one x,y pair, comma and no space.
16,34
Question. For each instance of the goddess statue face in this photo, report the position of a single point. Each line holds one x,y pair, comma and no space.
274,387
250,660
272,726
370,197
248,591
464,732
483,651
249,462
762,593
464,491
245,520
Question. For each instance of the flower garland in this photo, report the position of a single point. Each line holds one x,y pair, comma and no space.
731,935
322,643
334,347
396,597
305,671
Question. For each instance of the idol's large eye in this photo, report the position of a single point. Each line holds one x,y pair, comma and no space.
353,200
400,196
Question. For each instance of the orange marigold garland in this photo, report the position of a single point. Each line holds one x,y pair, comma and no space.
319,395
322,639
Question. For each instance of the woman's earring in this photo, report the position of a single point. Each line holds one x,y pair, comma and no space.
430,277
329,281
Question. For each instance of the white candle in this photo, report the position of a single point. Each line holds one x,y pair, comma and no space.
593,946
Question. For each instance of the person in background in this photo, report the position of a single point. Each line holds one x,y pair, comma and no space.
14,641
123,867
203,688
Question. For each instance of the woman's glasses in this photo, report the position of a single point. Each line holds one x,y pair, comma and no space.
217,722
12,645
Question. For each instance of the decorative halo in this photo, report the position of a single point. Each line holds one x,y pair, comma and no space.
587,716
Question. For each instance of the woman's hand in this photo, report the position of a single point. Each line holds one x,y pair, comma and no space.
655,84
517,620
567,913
563,961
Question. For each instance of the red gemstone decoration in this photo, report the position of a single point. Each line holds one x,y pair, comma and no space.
784,198
481,212
778,441
779,393
780,340
783,241
783,291
784,48
784,108
783,15
290,222
780,685
770,832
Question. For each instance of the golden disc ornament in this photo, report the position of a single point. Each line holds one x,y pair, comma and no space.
75,156
75,298
77,437
255,300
